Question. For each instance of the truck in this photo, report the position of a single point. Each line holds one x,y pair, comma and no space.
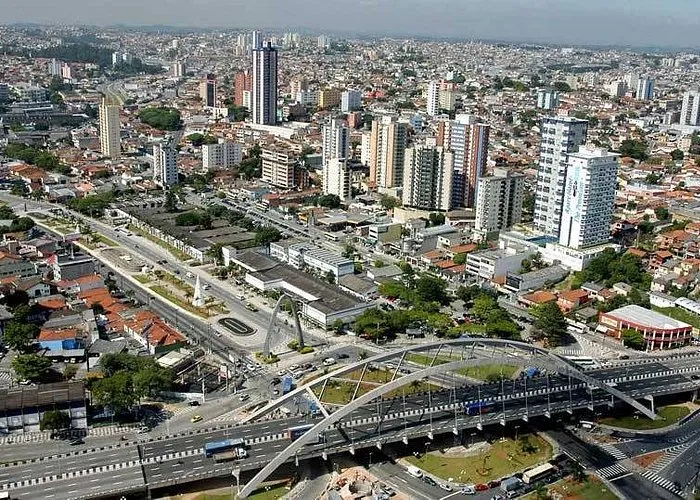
214,447
234,454
287,384
540,472
531,371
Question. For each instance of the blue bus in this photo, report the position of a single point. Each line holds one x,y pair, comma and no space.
478,408
287,384
294,433
214,447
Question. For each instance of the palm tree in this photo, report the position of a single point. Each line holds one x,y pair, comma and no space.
578,472
541,492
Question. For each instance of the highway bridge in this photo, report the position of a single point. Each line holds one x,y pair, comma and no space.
369,420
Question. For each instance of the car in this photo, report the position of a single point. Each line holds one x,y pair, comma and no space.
196,418
468,489
429,480
482,487
494,484
250,367
294,368
415,471
445,486
77,441
389,491
194,403
343,356
275,392
244,397
142,430
695,376
497,497
275,381
281,373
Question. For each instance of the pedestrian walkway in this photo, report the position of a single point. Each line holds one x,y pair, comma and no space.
613,472
669,456
664,483
611,450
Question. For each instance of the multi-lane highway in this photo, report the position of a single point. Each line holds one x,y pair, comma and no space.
179,458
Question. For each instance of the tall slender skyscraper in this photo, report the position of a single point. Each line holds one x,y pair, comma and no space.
589,198
109,130
265,84
559,137
387,151
335,141
207,91
165,162
433,98
469,141
690,112
427,178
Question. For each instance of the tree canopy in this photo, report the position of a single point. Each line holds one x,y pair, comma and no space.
550,323
161,118
634,148
31,367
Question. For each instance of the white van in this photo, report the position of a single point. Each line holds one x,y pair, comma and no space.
329,361
240,296
414,471
189,274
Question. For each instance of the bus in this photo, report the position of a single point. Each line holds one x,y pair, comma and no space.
478,408
331,236
294,433
539,472
581,360
215,447
287,384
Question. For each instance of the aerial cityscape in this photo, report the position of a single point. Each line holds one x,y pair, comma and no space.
333,263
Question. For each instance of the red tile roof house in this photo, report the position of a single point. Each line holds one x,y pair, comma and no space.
571,299
153,333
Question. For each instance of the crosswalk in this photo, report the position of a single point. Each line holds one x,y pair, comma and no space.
669,456
664,483
613,471
611,450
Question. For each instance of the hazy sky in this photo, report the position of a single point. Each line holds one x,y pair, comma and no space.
633,22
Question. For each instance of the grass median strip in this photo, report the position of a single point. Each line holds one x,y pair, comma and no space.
200,311
177,253
667,415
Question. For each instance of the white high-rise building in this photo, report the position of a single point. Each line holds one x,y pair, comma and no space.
256,40
499,200
265,85
616,89
645,89
335,141
365,148
559,137
589,198
110,140
54,66
323,42
690,111
350,100
387,152
427,178
178,69
165,162
547,99
336,178
225,154
432,104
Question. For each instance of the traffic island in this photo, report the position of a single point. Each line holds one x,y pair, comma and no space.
667,416
236,327
590,488
483,461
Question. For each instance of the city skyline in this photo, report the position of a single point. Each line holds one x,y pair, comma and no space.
643,24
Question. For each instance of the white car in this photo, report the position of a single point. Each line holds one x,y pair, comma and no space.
294,368
445,487
415,471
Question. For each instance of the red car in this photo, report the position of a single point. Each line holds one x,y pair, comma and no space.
482,487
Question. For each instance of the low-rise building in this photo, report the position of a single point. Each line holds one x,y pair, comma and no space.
660,331
489,264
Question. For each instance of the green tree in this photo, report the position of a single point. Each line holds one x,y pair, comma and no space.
266,235
330,277
115,392
216,252
349,250
483,305
436,219
31,367
634,148
170,204
652,178
560,86
55,420
633,339
151,379
432,289
677,155
550,323
329,201
460,258
389,202
19,335
662,213
161,118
